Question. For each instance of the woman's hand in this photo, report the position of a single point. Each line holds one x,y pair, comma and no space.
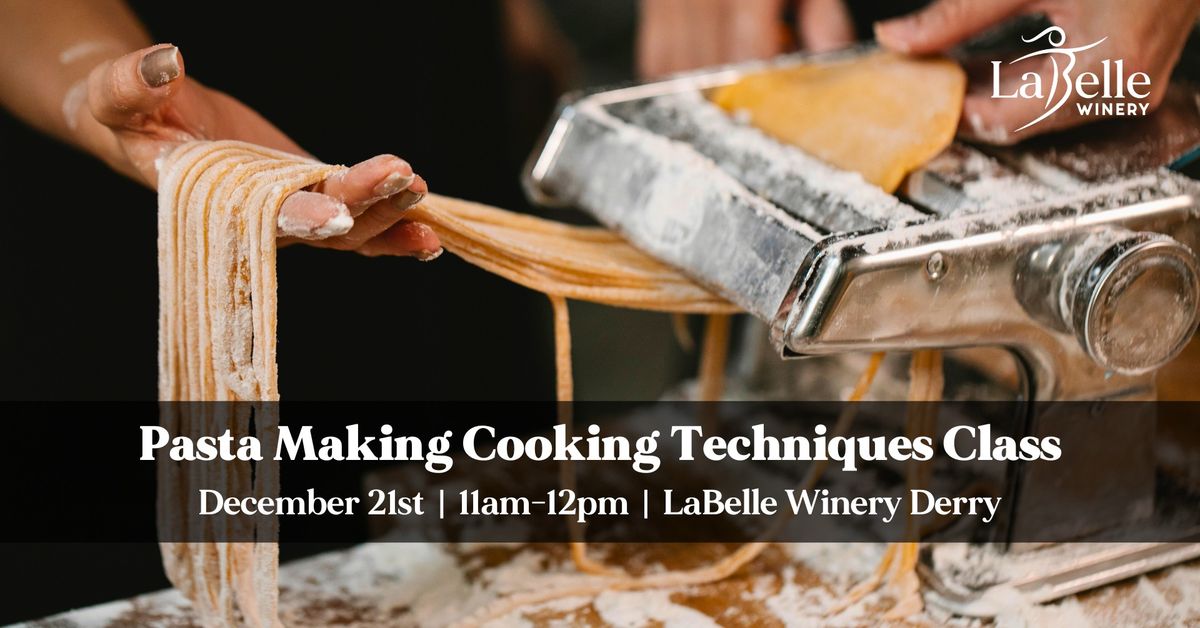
134,109
1147,35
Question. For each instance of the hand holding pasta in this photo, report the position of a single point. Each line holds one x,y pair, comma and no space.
133,110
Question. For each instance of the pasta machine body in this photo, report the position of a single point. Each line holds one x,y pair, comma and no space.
1093,283
1076,253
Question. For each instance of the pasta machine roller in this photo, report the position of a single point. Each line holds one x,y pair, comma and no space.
1081,259
1077,253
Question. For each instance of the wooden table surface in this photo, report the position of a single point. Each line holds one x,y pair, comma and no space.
424,584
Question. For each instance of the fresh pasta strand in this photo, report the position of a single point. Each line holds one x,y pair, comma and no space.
218,204
710,384
565,385
683,335
589,264
709,387
715,572
582,263
925,388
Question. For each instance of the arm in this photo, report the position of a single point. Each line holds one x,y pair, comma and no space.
48,48
82,71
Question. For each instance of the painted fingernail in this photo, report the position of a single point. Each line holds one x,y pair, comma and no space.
426,255
160,67
393,184
406,200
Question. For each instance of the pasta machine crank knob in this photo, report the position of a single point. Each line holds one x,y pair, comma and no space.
1130,298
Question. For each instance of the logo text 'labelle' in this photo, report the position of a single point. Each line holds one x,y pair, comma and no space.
1104,93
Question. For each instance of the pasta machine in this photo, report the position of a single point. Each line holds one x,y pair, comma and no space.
1076,253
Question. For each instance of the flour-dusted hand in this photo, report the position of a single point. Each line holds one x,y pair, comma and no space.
140,106
1147,35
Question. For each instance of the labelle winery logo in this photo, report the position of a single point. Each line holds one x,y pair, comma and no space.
1104,94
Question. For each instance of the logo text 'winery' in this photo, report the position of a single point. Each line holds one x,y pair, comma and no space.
1106,93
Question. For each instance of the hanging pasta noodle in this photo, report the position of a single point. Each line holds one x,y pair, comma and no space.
565,394
715,572
709,387
218,205
216,253
710,384
925,386
586,263
925,389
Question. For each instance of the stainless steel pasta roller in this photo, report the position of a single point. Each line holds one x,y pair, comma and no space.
1057,252
1076,253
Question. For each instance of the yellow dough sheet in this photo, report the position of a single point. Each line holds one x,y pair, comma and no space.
881,115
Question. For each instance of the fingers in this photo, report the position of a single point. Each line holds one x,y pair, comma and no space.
678,35
122,92
380,216
662,39
824,25
943,24
753,30
405,238
987,120
313,216
1001,120
358,205
369,182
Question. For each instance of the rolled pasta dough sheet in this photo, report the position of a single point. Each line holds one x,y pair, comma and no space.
881,115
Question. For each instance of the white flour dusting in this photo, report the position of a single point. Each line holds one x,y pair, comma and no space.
644,608
86,49
72,104
429,585
827,196
995,134
668,151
